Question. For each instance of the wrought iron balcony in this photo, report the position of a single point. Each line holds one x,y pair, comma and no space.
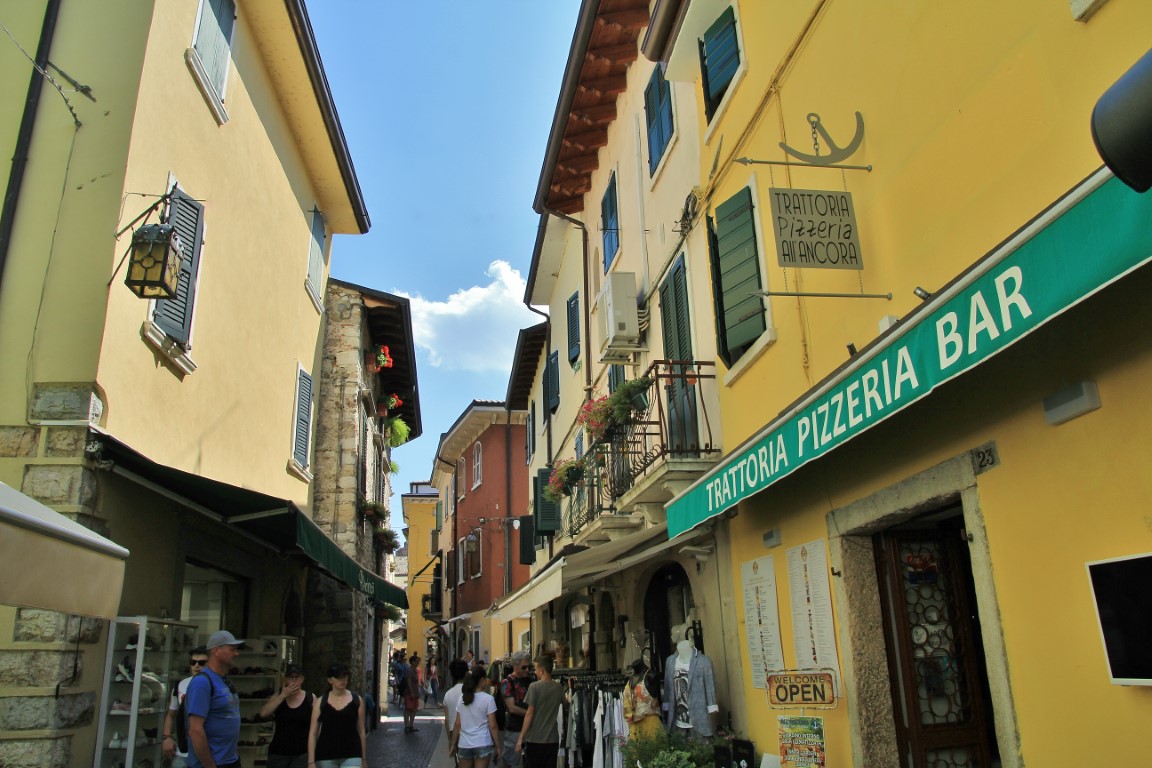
666,443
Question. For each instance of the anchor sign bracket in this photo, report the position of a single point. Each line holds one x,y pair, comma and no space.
835,153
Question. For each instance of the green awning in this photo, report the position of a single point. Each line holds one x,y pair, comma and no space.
312,541
275,522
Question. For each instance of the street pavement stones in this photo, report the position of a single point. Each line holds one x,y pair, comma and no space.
390,747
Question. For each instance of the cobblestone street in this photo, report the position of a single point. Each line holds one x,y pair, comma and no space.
390,747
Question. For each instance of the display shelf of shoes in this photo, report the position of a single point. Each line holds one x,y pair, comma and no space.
145,660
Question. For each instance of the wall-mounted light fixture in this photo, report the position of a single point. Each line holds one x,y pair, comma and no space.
154,265
921,294
1122,124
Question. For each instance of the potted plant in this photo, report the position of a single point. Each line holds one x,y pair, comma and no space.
596,417
396,430
388,540
370,509
383,357
565,474
630,396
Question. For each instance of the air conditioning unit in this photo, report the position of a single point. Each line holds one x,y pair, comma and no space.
619,322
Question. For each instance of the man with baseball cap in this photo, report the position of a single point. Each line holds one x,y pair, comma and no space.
214,708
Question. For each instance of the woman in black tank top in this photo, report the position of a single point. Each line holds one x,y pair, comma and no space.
292,710
336,738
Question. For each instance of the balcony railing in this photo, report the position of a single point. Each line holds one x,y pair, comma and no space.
670,424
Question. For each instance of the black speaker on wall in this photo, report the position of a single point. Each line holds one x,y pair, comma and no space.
1122,126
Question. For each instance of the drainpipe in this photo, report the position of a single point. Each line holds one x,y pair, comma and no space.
24,136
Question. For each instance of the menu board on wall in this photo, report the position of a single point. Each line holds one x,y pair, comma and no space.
812,629
762,619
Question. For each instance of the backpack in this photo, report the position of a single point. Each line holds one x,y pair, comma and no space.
182,713
501,708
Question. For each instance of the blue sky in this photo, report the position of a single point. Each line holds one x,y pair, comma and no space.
446,106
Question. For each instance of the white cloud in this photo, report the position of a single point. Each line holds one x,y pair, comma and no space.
475,329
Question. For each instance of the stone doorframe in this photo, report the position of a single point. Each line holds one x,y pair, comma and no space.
861,633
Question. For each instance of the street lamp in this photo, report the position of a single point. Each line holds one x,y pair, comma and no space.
154,268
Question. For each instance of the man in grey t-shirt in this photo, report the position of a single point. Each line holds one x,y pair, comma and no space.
540,738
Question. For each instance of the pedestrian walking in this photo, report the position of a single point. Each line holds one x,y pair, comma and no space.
540,737
336,737
214,708
411,687
475,738
457,670
175,743
514,690
291,710
432,682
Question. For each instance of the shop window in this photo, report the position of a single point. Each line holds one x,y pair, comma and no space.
213,599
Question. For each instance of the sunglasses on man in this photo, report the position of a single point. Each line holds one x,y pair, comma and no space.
199,662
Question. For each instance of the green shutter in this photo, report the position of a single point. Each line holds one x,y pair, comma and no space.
657,117
615,376
574,327
174,316
674,311
316,256
719,60
527,541
546,513
553,381
303,418
736,276
610,222
439,514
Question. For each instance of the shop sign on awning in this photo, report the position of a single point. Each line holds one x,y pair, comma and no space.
1092,237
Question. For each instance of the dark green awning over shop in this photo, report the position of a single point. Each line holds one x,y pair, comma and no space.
274,522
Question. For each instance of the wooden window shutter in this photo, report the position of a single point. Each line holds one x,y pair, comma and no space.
552,376
439,515
719,59
574,327
214,40
658,117
546,513
316,256
174,316
610,222
530,433
736,276
615,376
527,541
303,418
674,310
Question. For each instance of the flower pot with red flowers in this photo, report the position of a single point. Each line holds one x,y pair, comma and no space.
383,357
566,473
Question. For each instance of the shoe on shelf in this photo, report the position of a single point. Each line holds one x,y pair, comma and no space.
121,706
132,642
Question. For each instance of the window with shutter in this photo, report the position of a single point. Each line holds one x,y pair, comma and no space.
461,477
314,282
476,555
610,222
552,380
439,515
477,464
527,541
658,117
546,513
615,376
303,434
213,40
719,60
461,561
574,328
174,316
530,433
736,276
681,399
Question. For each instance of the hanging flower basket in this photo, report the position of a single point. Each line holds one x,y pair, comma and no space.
596,417
388,540
370,509
630,397
565,475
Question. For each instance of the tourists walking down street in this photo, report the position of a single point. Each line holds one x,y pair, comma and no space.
513,690
336,738
475,738
411,688
291,708
540,737
214,708
432,682
175,743
458,669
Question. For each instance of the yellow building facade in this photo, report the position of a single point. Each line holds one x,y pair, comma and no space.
182,429
932,425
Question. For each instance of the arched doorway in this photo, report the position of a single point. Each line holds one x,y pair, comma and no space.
668,603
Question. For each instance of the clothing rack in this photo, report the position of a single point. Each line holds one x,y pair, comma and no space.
585,678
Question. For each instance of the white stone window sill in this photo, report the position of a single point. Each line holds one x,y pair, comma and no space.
296,470
165,345
767,339
313,294
207,90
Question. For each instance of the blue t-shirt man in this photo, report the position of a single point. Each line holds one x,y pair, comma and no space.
211,697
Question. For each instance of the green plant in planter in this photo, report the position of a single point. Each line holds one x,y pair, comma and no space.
393,467
629,396
389,541
389,612
664,750
565,474
673,758
396,429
